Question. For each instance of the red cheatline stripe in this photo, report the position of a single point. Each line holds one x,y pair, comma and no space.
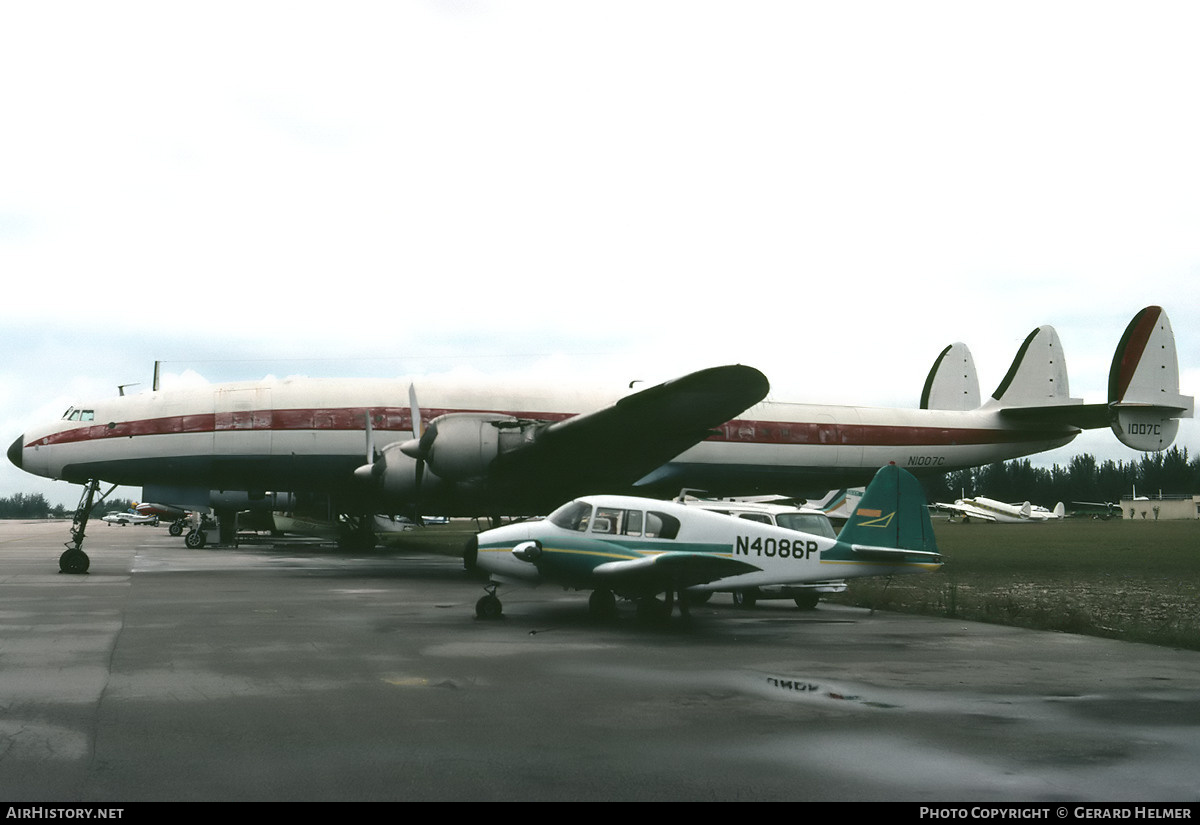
393,419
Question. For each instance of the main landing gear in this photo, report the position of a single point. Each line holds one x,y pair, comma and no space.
602,605
74,560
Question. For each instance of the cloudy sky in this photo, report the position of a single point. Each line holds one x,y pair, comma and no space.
831,192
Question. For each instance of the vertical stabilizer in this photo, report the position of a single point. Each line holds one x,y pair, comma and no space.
1038,375
892,513
952,383
1143,384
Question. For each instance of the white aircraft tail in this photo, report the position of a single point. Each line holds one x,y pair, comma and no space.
1144,404
1143,384
1038,375
952,383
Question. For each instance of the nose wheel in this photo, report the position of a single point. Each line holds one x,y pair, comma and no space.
489,607
74,560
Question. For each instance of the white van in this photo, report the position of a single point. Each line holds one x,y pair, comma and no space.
803,519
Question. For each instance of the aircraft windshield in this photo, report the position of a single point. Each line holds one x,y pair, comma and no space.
573,516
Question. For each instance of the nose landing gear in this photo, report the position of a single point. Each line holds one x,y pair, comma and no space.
74,560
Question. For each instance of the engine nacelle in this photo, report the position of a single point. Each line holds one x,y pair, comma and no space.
462,446
396,475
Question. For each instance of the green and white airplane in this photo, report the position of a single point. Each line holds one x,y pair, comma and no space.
638,548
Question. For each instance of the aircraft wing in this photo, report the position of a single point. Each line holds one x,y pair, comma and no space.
621,443
672,569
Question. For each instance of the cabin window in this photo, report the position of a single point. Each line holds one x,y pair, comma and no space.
633,523
661,526
572,516
613,521
814,523
759,517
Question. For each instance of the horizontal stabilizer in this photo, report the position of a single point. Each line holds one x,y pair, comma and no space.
952,383
893,554
1143,384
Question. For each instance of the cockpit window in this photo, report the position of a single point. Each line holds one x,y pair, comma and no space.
79,415
572,516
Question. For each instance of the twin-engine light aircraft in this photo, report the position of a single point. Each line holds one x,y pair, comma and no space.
478,452
988,509
637,548
132,516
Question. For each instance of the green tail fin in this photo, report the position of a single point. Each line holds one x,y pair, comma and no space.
892,513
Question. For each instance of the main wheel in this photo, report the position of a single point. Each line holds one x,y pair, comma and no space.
807,601
744,598
195,539
602,604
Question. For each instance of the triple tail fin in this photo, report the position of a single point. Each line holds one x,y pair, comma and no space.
1143,384
1038,374
952,383
891,515
1144,404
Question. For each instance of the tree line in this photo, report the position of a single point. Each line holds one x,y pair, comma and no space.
35,506
1084,479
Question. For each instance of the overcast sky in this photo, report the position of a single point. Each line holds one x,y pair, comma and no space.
612,190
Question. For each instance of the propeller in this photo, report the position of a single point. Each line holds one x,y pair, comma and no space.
413,448
370,470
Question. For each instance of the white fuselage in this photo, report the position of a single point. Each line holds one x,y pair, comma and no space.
309,435
777,556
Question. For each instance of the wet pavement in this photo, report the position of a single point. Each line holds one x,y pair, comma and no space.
299,673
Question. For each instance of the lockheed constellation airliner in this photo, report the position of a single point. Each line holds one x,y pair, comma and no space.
480,451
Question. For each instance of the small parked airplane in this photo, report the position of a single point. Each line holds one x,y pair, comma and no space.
130,517
637,548
478,451
988,509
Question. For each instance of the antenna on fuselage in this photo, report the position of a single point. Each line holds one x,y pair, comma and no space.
154,386
121,387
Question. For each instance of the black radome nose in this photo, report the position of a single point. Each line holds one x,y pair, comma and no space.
14,452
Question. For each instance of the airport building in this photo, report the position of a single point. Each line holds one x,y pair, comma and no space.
1161,508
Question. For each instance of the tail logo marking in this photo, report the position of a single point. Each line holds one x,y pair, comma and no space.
879,519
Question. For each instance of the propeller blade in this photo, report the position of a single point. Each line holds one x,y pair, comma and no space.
415,412
370,433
